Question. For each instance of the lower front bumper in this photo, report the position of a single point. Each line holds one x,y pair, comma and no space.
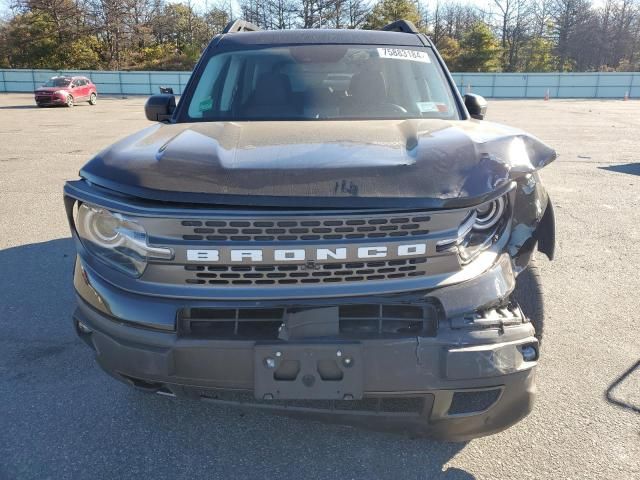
456,385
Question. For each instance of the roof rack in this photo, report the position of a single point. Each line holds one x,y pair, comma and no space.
403,26
240,26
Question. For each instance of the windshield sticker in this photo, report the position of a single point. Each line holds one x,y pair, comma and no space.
206,105
404,54
426,107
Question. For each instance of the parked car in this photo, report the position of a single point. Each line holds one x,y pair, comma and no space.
66,91
322,226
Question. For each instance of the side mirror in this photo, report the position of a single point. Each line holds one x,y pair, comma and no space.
160,107
476,105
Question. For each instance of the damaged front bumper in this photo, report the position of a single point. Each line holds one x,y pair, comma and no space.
467,372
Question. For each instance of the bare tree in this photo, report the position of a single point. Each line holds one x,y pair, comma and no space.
568,16
357,11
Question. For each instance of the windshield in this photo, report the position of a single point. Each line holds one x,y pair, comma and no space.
57,82
322,82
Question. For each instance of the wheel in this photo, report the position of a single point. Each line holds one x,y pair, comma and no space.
93,99
69,101
529,295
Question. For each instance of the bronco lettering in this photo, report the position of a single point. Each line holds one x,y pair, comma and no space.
300,255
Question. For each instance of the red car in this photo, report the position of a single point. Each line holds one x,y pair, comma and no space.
66,91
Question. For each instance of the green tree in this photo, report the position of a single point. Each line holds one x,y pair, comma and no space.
449,49
387,11
31,41
179,24
480,50
539,56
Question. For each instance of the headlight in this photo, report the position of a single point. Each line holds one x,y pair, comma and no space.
488,214
60,92
116,240
478,231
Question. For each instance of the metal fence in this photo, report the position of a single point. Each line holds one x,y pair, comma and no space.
490,85
108,83
556,85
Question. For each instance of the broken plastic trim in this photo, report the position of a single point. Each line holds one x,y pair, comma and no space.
545,234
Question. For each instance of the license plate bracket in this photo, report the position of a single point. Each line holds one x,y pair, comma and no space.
308,371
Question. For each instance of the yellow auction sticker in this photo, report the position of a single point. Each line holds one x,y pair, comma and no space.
404,54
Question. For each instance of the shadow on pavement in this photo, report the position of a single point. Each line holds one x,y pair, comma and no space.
34,107
612,394
18,107
629,168
67,419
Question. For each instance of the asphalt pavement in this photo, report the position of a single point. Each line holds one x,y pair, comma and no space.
62,417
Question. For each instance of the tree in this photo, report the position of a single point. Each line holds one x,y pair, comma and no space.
216,18
455,19
387,11
530,35
514,20
450,50
357,12
480,50
568,17
31,41
538,55
315,13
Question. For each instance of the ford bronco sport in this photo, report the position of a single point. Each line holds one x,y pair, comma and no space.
322,226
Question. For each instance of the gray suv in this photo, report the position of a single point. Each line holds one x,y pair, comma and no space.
323,227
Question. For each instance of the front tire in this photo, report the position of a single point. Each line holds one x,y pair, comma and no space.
530,296
69,101
93,99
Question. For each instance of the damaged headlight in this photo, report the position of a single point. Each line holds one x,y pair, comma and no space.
478,231
116,240
489,214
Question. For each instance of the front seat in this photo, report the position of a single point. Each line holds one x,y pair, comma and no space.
367,94
271,97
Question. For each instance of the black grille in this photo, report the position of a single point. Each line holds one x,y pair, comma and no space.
473,401
388,405
354,321
307,229
300,274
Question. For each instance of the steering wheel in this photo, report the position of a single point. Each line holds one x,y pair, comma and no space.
383,109
396,108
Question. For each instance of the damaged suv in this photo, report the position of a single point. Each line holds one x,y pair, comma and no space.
322,226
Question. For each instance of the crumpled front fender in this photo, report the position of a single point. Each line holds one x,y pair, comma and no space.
533,223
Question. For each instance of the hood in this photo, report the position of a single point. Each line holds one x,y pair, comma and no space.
374,163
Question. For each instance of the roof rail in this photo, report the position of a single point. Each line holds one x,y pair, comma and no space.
403,26
240,26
